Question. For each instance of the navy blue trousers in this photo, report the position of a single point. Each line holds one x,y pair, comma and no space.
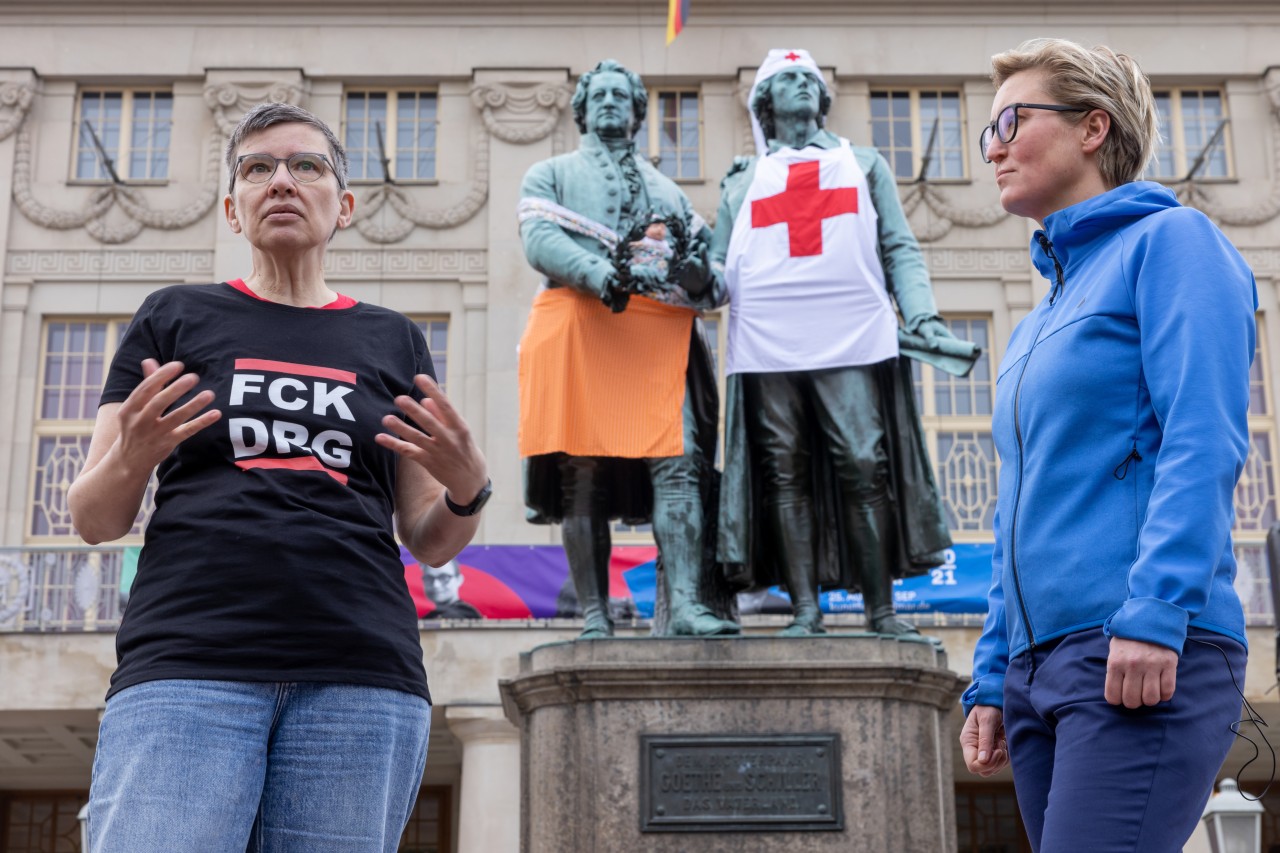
1105,779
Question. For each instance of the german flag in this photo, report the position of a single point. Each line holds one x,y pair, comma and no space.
677,14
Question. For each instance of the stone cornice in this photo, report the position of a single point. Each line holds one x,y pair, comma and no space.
741,669
571,685
825,9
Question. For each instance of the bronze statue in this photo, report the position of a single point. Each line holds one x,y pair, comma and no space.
618,401
827,480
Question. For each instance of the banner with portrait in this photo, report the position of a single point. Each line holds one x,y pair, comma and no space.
532,582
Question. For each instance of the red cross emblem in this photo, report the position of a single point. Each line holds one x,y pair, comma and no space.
803,206
793,56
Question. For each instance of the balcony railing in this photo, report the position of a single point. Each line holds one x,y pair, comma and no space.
53,590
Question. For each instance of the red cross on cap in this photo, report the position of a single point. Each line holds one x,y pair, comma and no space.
793,56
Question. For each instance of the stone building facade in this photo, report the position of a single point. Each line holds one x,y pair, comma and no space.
112,120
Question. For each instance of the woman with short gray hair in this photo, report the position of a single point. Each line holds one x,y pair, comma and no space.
270,693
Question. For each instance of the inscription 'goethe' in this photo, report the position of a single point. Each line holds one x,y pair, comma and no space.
741,773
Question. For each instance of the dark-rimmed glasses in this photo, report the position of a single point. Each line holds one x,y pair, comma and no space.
1005,127
305,167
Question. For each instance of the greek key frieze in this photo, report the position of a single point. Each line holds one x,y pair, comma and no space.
187,264
406,263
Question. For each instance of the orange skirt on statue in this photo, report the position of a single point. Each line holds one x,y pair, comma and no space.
595,383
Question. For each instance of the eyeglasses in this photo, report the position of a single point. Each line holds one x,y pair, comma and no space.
1005,127
305,167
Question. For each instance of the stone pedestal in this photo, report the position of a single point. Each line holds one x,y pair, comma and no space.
729,740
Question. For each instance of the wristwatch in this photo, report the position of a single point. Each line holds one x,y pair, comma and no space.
476,504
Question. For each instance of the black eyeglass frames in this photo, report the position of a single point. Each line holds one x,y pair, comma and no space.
1005,127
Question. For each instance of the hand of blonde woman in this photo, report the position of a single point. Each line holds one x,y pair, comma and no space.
1140,673
982,741
442,444
149,428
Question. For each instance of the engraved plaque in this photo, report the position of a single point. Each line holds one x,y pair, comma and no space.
740,783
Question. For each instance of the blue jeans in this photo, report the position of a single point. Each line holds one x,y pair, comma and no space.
1105,779
242,767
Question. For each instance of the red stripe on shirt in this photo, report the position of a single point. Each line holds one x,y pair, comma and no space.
295,463
296,369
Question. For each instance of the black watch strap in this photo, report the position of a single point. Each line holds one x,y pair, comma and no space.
476,504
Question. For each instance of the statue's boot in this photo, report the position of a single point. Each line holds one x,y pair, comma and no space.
677,528
872,531
794,535
587,546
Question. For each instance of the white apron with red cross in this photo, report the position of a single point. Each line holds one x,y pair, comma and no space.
806,288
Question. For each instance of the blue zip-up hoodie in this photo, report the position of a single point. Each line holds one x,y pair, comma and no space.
1121,424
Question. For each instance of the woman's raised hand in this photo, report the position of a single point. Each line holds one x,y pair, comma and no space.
441,443
149,428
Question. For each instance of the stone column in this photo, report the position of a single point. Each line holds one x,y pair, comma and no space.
15,296
17,94
490,776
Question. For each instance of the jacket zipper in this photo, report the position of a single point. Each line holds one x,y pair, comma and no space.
1017,430
1122,470
1057,268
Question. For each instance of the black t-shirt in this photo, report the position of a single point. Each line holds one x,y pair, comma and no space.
270,555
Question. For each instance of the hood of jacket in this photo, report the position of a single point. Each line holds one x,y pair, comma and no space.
1071,230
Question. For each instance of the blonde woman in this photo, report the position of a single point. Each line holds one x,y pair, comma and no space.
1105,670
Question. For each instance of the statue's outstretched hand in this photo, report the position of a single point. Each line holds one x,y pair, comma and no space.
694,275
933,331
